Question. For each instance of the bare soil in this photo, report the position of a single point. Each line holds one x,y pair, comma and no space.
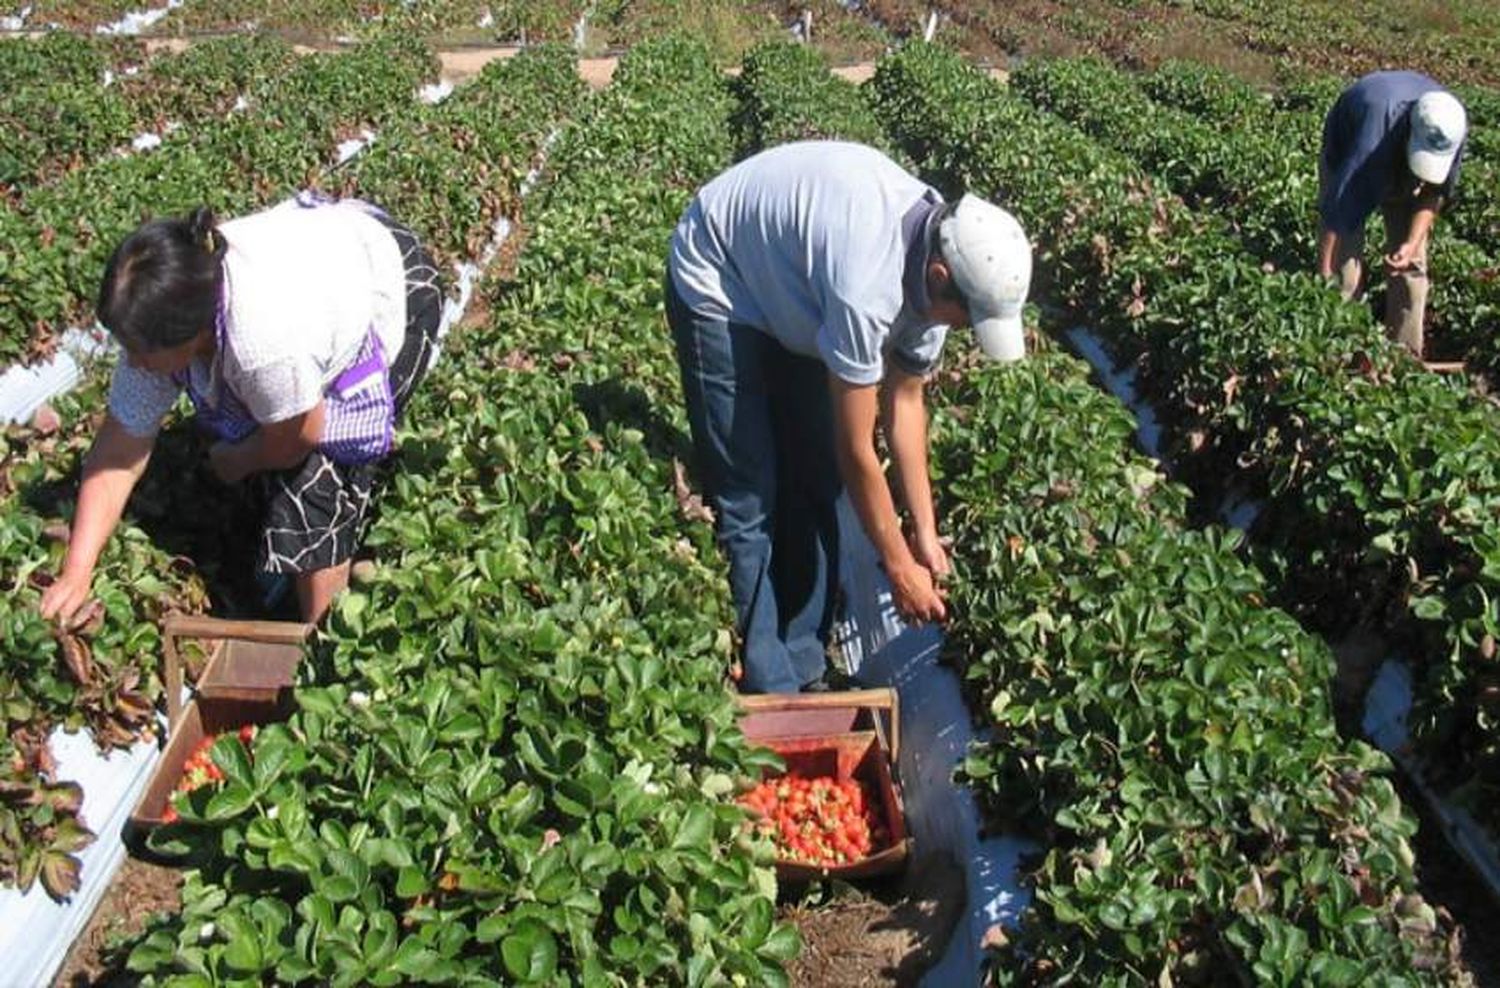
888,933
138,891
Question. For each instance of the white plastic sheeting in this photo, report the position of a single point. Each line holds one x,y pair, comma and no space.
1121,383
137,21
457,303
435,92
25,389
354,145
17,21
36,932
1387,706
936,733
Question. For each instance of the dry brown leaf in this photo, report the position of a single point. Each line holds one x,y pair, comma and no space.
76,657
689,503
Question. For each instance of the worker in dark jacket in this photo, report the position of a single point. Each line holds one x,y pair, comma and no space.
1392,140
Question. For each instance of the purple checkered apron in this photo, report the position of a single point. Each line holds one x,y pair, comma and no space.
359,424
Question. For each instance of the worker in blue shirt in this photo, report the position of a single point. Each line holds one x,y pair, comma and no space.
810,290
1392,140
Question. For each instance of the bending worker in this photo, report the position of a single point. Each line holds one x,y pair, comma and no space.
298,333
1393,140
809,291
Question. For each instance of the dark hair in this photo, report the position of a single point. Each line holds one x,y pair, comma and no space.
161,286
950,291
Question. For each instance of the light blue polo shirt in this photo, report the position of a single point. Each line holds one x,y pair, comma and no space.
810,242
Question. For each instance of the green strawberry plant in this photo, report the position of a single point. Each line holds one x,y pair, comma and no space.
1370,467
787,94
101,676
63,123
513,758
63,58
453,170
1152,716
104,677
59,240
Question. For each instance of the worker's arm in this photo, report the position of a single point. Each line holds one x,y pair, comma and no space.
904,410
1422,218
276,446
114,464
855,411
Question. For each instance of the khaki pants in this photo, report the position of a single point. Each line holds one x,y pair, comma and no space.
1405,291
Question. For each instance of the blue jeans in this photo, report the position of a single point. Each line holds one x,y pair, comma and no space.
762,423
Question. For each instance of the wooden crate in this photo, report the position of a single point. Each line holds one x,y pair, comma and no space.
845,735
248,679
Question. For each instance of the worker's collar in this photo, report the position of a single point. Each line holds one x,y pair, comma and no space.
916,230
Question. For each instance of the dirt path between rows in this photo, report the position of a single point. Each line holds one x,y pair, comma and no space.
462,64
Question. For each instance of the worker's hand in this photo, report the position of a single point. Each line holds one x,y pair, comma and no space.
64,599
226,459
1402,258
931,552
916,596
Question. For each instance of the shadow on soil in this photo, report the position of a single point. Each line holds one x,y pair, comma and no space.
888,932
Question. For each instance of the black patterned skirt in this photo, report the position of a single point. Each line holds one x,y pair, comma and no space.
316,513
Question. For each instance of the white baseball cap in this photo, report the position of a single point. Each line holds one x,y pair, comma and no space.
1438,125
990,259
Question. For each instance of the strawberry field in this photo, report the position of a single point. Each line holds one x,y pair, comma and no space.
514,754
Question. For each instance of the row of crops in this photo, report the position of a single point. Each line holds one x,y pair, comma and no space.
60,114
1156,722
534,789
1169,731
1253,164
56,236
105,676
539,788
728,25
318,18
1378,477
1456,36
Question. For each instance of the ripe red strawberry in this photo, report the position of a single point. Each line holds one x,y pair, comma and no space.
819,821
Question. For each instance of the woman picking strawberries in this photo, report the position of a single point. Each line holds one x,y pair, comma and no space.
298,333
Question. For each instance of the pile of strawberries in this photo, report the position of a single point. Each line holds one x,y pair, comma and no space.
199,770
818,821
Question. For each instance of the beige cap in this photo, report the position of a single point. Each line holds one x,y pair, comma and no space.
990,259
